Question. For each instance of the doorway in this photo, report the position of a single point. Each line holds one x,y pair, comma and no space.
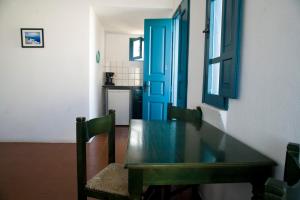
166,63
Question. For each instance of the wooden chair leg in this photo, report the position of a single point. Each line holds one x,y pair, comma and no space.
195,193
82,197
158,192
179,189
165,192
149,194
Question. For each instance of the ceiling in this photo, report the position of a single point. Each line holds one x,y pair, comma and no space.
127,16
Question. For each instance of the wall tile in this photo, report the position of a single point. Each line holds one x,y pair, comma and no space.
126,72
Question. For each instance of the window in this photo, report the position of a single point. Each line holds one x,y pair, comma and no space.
221,52
136,49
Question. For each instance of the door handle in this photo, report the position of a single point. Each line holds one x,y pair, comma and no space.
206,30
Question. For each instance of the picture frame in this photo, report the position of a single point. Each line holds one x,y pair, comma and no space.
32,37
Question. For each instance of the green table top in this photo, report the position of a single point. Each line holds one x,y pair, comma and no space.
181,144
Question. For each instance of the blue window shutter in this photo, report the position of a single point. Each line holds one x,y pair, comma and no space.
230,48
131,49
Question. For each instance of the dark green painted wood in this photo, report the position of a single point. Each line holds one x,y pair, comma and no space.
275,190
84,131
81,157
104,195
159,142
289,189
188,115
180,153
111,138
292,169
98,125
103,125
135,183
202,175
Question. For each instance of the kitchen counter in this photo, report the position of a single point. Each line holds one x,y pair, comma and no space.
121,87
135,100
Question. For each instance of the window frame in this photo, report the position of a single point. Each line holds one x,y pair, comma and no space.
180,53
131,49
228,87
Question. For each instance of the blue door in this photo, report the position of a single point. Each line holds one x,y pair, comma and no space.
157,68
181,50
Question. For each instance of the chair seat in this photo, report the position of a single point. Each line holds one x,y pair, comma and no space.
112,179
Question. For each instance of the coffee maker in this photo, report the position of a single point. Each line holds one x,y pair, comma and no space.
109,78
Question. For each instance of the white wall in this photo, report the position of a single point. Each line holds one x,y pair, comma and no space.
176,4
117,60
97,42
43,90
117,46
266,116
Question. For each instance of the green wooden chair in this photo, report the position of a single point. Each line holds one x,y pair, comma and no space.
193,116
289,189
112,181
189,115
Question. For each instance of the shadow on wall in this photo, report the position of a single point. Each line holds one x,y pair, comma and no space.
215,117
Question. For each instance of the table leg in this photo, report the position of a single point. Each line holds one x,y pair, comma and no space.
195,192
135,183
258,190
165,192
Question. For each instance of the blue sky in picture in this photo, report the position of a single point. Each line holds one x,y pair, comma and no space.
32,37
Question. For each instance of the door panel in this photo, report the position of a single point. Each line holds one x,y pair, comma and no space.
157,47
157,68
156,110
156,88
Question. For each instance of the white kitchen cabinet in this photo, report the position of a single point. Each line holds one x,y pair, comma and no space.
119,100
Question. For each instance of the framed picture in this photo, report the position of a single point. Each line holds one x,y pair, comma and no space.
32,37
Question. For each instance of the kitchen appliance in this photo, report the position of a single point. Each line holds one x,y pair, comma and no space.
119,101
109,78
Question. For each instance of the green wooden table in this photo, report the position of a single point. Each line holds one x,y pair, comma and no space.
179,153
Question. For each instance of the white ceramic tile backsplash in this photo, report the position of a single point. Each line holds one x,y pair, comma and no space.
127,73
131,82
131,76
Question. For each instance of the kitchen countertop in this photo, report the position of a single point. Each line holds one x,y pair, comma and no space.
135,101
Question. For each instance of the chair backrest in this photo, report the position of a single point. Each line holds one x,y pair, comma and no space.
292,164
182,114
290,188
86,130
